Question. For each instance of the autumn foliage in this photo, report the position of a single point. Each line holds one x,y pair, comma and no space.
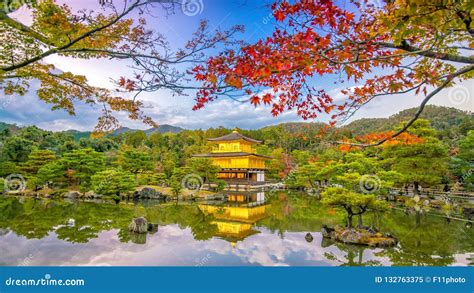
404,139
400,47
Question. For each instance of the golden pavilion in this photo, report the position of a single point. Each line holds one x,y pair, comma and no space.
236,155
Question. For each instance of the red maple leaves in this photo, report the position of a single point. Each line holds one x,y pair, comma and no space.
404,138
315,38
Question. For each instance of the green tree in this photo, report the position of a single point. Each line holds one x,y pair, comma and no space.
17,149
355,204
37,159
7,168
421,164
135,138
314,175
52,172
113,183
136,162
82,164
463,163
175,182
204,168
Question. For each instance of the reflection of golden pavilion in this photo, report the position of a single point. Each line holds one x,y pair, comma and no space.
237,216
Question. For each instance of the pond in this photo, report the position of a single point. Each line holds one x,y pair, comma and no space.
246,229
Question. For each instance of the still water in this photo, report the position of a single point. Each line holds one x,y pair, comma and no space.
245,229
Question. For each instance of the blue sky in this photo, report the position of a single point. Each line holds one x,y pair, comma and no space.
165,108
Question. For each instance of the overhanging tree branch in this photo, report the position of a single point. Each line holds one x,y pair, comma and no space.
72,42
447,81
429,53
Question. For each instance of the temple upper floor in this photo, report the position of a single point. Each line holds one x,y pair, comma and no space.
233,147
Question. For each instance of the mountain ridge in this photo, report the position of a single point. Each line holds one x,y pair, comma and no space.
442,118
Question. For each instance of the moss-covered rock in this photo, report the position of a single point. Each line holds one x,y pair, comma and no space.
359,236
138,225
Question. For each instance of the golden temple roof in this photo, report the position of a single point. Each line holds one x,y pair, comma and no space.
235,135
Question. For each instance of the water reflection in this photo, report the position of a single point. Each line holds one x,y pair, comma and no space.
263,230
236,216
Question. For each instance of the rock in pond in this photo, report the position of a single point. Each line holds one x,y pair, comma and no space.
326,231
309,238
359,236
138,225
148,193
71,222
152,228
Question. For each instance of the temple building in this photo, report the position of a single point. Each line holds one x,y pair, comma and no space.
236,155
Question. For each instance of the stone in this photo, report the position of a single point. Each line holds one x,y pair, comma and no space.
92,194
152,228
72,194
71,222
359,236
371,230
350,236
148,193
138,225
326,231
309,238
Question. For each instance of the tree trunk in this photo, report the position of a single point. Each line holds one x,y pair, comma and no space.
136,178
360,221
418,219
349,220
416,186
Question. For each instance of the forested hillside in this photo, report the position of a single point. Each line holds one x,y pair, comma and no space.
440,148
450,123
